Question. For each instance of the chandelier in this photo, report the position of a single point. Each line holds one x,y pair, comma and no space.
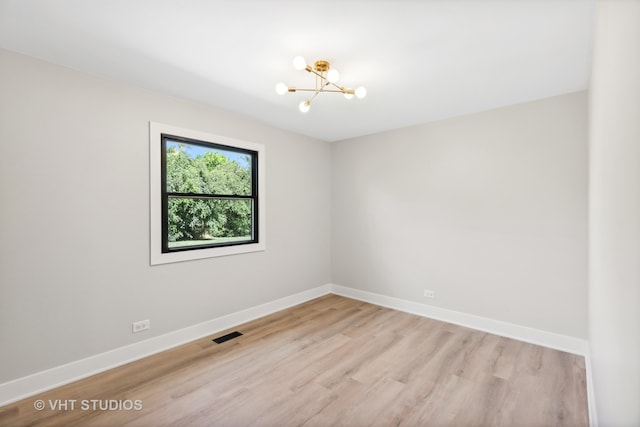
326,81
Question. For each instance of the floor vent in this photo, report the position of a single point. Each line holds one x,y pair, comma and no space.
227,337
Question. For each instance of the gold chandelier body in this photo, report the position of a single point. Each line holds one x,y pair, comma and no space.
325,81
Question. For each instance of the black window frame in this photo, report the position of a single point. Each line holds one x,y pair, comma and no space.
166,195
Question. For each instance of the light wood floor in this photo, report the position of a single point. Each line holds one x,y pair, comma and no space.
332,361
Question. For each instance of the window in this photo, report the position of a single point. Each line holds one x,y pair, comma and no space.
206,195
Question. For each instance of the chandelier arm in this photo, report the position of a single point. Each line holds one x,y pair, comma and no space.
311,70
298,89
324,85
341,89
323,90
337,90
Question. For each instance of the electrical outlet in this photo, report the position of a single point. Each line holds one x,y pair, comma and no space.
429,293
140,326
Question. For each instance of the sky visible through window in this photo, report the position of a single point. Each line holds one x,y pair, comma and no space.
196,150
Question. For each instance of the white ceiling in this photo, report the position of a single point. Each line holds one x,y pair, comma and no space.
419,60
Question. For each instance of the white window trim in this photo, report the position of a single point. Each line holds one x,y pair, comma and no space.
155,150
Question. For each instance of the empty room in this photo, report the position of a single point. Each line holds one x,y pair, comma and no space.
320,213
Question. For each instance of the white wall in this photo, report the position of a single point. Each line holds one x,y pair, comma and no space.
614,290
74,218
489,210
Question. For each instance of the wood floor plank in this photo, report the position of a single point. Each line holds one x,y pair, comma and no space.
332,361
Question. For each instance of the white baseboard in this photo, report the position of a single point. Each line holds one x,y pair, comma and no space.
522,333
39,382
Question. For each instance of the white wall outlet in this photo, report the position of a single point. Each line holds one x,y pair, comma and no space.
140,326
429,293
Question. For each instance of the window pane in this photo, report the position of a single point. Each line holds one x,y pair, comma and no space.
194,168
195,221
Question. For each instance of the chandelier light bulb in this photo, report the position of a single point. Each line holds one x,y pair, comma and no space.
333,75
361,92
281,88
299,63
305,105
348,95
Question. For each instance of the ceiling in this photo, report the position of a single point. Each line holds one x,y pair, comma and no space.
419,60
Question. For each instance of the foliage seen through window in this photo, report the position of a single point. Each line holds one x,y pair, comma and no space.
210,195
